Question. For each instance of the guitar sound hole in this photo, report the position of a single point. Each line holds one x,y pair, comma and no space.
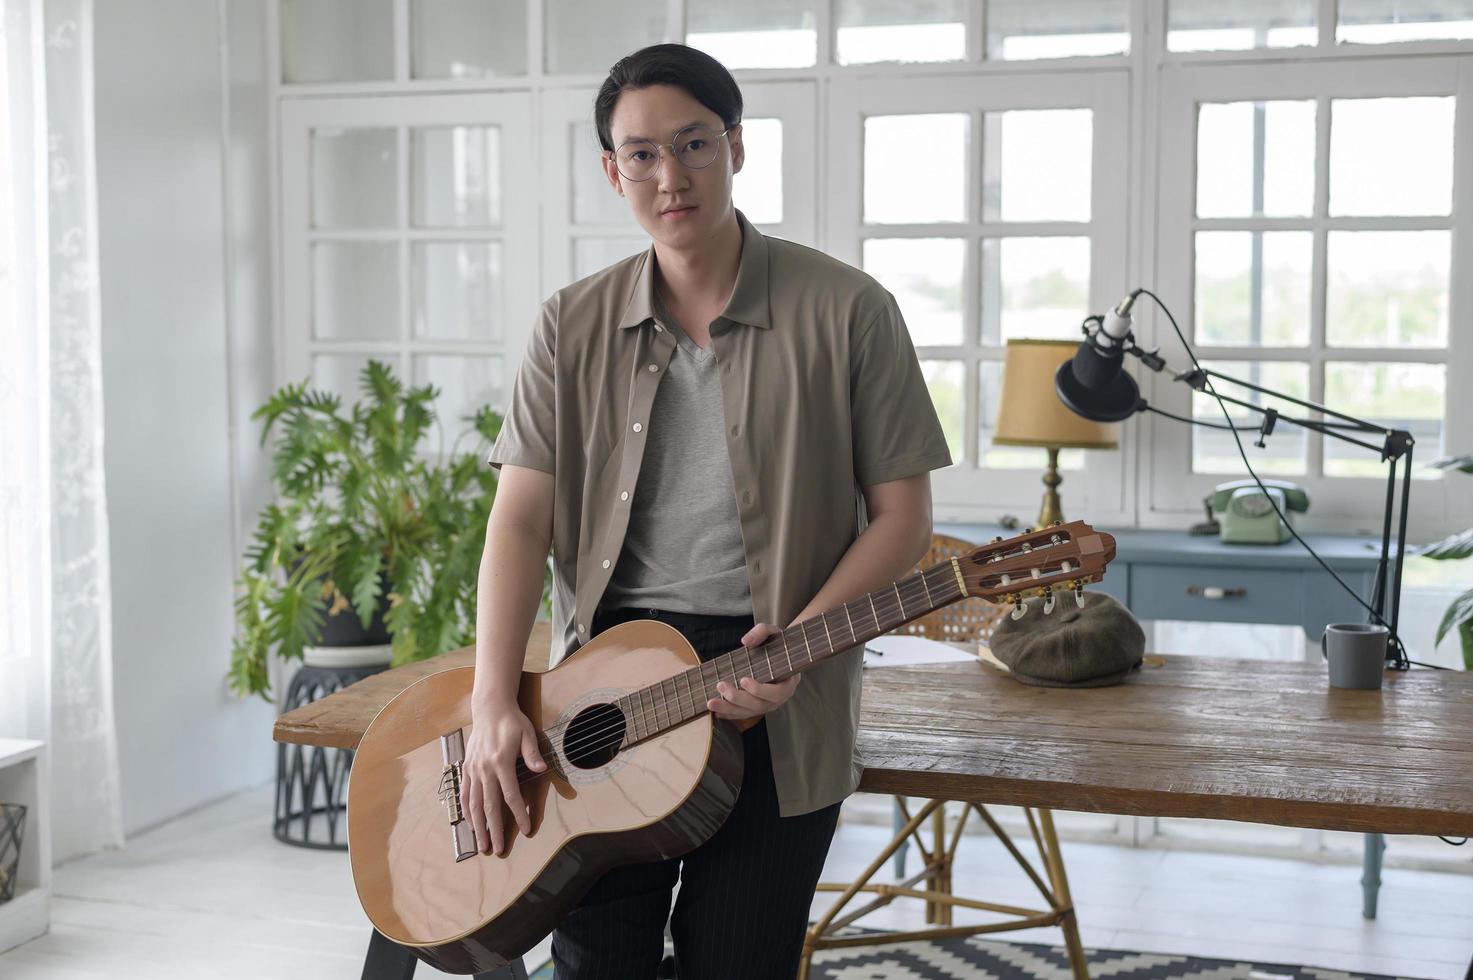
593,736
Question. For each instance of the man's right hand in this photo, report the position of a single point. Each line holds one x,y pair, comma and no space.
500,735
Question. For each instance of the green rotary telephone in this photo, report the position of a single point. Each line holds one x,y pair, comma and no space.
1241,514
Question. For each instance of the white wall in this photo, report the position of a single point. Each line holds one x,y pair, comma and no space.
184,265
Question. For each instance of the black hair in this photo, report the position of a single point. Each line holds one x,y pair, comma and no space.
705,78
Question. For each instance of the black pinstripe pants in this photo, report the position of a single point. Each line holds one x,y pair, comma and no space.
744,895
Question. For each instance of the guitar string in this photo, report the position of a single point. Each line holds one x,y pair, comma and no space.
588,742
940,569
583,744
647,715
651,714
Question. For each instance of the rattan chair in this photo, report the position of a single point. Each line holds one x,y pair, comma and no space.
965,621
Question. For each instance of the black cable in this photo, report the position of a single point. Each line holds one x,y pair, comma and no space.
1401,661
1202,422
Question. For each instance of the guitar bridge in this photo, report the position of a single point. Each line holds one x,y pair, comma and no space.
462,835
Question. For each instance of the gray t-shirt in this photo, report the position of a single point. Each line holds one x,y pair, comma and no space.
683,550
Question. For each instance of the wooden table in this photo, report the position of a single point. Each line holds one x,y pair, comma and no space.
1247,740
1255,741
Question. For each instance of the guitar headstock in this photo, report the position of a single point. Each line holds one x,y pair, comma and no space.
1038,563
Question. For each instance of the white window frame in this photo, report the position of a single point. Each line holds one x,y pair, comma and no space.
1338,503
511,112
964,491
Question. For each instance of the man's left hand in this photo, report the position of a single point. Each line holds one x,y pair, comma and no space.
746,703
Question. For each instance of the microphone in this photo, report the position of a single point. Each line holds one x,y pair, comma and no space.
1094,383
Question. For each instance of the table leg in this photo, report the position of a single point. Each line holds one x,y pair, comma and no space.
1370,878
897,820
1054,862
387,960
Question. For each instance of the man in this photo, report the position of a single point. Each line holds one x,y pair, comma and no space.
729,433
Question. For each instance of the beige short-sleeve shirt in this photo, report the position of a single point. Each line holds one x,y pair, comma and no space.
823,395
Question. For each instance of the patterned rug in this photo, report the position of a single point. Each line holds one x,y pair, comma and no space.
974,958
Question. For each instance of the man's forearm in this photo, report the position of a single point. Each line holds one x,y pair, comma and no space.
508,592
885,551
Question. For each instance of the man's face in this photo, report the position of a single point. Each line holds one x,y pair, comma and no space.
677,205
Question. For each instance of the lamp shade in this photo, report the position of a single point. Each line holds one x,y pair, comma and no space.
1030,412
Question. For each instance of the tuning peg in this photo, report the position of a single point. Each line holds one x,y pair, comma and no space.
1020,606
1079,591
1048,601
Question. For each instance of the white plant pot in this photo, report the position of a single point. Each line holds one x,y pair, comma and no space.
367,656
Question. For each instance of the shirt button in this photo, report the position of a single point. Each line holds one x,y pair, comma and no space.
736,430
747,496
659,329
582,628
638,427
624,495
654,367
606,563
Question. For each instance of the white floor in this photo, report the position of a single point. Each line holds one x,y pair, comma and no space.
212,894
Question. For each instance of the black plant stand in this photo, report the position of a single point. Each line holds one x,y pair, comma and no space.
387,960
312,781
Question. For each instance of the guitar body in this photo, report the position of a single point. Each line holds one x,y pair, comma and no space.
657,799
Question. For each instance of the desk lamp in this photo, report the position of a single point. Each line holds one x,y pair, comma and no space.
1030,414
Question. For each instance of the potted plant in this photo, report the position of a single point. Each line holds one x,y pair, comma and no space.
369,540
1459,614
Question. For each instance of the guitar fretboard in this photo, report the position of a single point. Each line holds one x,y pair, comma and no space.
679,698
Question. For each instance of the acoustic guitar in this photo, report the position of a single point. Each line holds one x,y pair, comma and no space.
638,769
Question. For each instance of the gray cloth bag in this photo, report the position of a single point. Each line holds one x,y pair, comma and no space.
1093,645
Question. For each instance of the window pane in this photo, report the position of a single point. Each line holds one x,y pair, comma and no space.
1253,288
457,176
1034,287
925,274
1387,288
594,201
457,290
1011,457
467,384
592,254
1255,158
867,31
915,168
1037,165
337,40
1401,396
1210,25
1391,156
754,34
354,178
1286,450
1380,21
587,36
355,290
339,373
468,38
1025,29
758,189
944,379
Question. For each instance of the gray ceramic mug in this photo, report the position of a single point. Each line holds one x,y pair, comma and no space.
1356,653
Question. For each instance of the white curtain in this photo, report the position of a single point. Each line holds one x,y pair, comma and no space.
55,595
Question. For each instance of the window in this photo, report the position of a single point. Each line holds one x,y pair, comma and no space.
990,216
396,224
1287,185
1316,230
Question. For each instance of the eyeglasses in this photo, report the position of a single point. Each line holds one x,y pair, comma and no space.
695,147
